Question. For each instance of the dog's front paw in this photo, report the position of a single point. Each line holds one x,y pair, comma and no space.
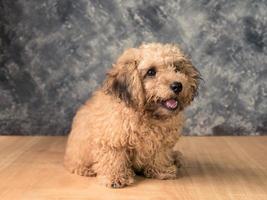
117,182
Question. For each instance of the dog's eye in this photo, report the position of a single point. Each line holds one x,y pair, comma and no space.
151,72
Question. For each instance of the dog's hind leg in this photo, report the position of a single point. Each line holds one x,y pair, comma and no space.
84,171
79,168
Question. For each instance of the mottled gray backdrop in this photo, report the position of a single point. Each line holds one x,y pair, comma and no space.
54,53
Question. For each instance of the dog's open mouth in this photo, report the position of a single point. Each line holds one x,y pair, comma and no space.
170,104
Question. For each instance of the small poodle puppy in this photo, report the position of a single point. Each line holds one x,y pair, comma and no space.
133,121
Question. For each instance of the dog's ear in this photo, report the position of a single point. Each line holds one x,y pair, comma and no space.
194,79
196,76
123,80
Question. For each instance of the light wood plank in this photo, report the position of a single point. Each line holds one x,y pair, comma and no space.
215,168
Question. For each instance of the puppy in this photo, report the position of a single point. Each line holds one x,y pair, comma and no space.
133,121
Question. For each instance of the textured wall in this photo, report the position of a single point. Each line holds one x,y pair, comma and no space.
54,53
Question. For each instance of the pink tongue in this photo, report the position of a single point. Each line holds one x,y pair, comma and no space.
171,103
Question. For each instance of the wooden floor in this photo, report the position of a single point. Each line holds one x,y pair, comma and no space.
214,168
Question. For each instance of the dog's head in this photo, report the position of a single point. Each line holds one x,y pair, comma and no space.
154,78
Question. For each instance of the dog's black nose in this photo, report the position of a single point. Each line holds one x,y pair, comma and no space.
176,87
